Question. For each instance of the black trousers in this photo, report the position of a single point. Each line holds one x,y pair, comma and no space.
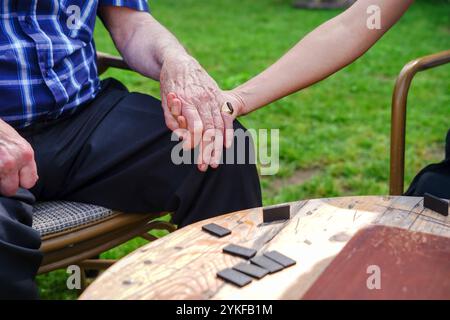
115,152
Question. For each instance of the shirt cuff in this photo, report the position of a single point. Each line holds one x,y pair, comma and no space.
139,5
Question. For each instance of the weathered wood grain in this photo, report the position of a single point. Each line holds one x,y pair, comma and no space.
183,265
411,266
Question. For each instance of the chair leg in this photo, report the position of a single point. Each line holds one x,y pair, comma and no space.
90,268
162,225
157,225
92,273
148,237
83,280
97,264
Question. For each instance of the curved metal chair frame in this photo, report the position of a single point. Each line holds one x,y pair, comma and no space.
79,245
398,115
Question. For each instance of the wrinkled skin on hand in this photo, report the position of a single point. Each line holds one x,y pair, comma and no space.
17,165
192,102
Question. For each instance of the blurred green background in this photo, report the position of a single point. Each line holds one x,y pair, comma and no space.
334,136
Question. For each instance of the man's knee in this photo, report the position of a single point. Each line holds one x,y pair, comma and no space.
19,248
16,217
18,207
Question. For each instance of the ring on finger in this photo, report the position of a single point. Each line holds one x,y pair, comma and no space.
227,107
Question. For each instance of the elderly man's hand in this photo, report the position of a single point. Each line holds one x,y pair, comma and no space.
17,165
231,107
192,100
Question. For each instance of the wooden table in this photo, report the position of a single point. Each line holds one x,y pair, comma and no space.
183,265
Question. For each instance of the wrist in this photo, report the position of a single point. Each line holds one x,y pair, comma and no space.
174,55
238,102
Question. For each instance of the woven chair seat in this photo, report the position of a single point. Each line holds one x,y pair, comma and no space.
58,216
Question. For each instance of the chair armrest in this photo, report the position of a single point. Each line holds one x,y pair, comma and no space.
398,115
104,61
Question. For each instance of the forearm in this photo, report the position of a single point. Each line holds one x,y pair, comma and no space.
142,41
327,49
315,57
6,130
148,47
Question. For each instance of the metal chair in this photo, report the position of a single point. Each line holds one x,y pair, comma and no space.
73,233
398,115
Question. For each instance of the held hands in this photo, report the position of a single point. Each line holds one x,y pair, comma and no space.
17,165
197,110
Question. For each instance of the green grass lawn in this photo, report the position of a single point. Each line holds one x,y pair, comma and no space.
334,136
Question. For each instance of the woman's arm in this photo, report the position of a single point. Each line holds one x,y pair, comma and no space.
327,49
149,48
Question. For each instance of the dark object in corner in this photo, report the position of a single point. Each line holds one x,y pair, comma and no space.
276,213
436,204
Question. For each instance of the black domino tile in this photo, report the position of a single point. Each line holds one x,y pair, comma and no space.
279,258
267,264
216,230
234,277
276,213
251,270
239,251
436,204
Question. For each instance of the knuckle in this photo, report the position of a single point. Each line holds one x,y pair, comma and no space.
8,163
27,153
220,126
209,125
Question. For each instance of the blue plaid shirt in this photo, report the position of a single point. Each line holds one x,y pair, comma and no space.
47,57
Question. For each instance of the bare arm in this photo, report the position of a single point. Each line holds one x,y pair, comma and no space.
153,51
325,50
141,40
